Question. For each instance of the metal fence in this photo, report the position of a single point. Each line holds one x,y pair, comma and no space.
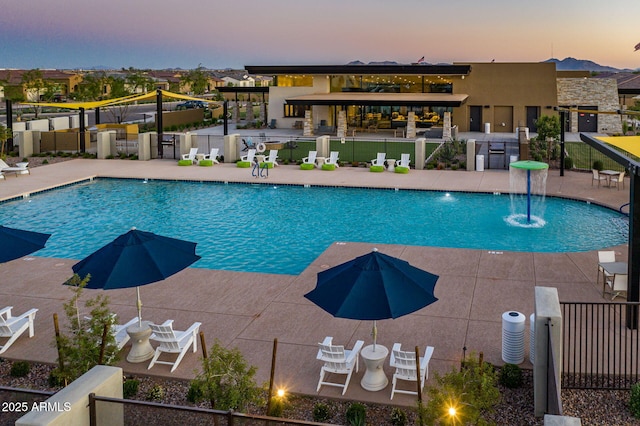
18,402
599,350
141,412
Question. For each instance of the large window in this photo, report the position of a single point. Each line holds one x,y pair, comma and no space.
295,110
391,84
295,81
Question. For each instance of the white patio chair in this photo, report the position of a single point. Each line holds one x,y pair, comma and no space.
249,157
191,155
333,158
273,156
120,333
405,159
173,342
311,158
606,256
213,155
337,360
19,169
405,365
597,177
617,180
13,327
379,160
618,285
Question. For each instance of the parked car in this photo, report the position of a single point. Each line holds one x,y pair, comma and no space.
192,105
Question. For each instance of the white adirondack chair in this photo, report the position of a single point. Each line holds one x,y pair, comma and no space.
13,327
405,365
173,342
337,360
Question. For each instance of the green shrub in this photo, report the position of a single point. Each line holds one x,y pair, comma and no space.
156,393
45,161
195,392
398,417
356,414
321,412
277,406
130,388
598,165
634,401
511,376
20,369
568,163
57,378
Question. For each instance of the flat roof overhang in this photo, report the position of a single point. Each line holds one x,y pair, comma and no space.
234,89
359,69
380,99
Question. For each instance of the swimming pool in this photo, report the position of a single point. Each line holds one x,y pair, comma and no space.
281,229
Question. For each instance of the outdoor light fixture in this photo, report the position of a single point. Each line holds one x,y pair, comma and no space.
280,393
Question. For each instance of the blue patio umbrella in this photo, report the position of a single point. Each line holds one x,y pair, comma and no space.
15,243
374,286
134,259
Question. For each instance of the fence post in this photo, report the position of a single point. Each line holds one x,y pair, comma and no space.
92,409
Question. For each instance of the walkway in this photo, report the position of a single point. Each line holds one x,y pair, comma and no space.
249,310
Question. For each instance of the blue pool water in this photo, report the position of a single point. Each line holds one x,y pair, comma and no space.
281,229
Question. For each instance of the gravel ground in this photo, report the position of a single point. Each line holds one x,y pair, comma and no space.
516,407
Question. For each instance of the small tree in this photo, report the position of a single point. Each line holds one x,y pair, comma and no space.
226,380
81,344
469,393
548,128
5,135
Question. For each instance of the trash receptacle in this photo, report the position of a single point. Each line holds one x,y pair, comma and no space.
479,163
513,337
487,128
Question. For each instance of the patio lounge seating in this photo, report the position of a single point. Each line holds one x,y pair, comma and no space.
173,342
120,333
309,162
402,166
333,158
617,283
337,360
247,160
271,160
13,327
405,365
212,156
188,159
18,169
377,164
248,144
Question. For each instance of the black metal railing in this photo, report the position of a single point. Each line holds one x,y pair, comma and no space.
599,350
140,412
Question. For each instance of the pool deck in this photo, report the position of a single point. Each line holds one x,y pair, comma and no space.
249,310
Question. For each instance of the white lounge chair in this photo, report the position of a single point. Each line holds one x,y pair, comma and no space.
337,360
273,156
213,155
173,342
19,169
310,159
405,160
333,158
249,157
120,333
379,160
191,155
405,365
13,327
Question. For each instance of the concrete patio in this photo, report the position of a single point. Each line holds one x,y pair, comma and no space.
249,310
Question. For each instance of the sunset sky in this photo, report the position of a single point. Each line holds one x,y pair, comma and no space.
230,34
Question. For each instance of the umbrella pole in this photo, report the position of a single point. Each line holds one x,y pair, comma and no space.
374,333
139,305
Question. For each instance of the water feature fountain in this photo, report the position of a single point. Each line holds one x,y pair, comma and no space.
528,186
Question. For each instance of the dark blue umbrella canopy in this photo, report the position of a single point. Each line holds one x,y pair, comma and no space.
134,259
373,287
15,243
